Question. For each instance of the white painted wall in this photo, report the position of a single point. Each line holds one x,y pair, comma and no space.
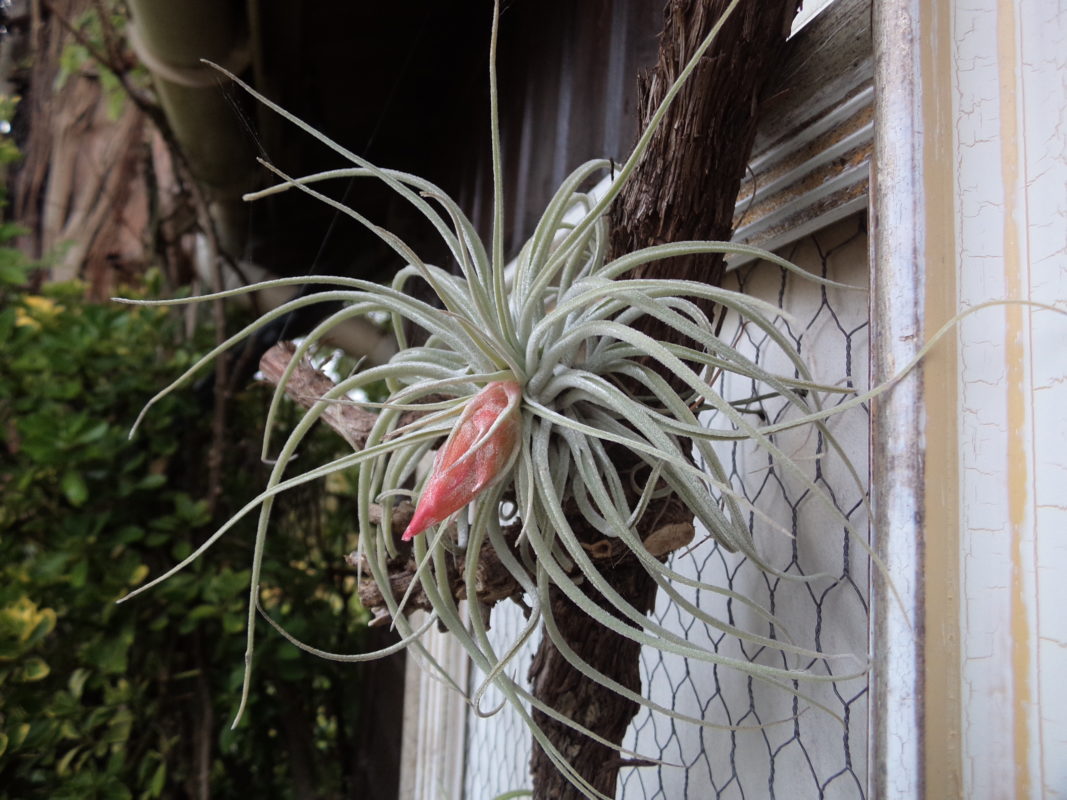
808,11
498,747
1010,111
780,749
433,748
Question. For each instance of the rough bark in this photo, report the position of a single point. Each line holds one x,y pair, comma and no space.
685,188
81,189
687,184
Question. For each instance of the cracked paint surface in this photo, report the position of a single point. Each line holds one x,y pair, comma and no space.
1010,115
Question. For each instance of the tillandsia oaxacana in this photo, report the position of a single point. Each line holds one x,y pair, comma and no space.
478,453
533,374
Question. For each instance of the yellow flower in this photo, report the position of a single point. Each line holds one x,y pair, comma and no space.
20,619
33,309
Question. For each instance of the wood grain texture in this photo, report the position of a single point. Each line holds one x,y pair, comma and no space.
811,157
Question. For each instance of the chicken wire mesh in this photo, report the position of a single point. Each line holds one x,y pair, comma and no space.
498,747
758,741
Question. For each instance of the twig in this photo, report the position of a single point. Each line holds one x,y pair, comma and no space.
307,385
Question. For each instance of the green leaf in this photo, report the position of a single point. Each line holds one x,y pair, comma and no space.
64,389
93,434
79,573
76,682
46,623
203,611
14,274
20,734
51,566
108,655
138,574
159,777
75,488
152,481
34,669
114,790
12,230
114,94
63,766
128,534
118,730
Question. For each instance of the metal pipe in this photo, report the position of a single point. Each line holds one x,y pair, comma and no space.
895,767
171,39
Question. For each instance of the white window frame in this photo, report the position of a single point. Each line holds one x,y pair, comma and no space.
967,692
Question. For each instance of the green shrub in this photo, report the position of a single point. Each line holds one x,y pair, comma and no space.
135,700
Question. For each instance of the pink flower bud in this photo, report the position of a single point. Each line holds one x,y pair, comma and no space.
476,455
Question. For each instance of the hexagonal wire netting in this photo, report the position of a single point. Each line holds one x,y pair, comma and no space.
758,741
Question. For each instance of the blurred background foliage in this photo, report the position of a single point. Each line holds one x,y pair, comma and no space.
134,700
99,700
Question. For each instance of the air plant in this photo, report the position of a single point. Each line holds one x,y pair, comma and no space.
535,378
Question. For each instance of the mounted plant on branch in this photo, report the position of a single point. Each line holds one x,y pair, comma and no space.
564,433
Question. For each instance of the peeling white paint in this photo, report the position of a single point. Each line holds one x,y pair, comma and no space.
1009,63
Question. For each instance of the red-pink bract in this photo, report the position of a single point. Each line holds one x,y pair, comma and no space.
470,460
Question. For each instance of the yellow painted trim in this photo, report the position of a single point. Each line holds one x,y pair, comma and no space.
942,715
1018,468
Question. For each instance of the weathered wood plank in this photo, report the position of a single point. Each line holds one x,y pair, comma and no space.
811,159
